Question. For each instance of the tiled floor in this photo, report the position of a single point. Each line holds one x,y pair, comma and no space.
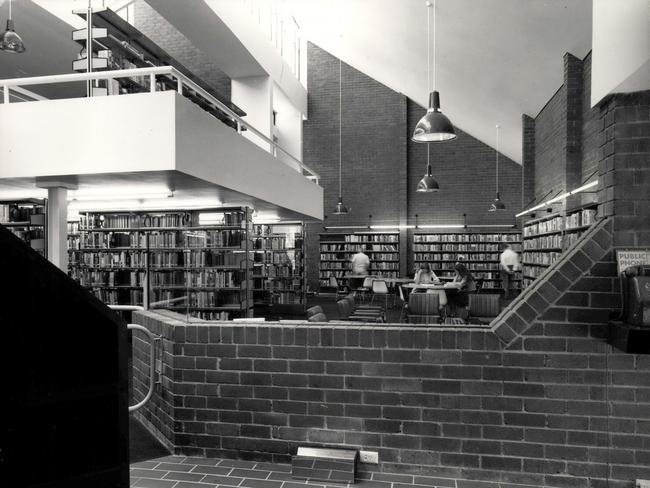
191,472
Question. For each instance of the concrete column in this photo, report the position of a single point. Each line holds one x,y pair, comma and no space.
57,219
57,230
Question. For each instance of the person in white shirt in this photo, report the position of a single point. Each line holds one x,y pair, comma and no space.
508,264
359,265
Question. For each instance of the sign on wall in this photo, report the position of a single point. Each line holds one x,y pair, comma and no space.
631,257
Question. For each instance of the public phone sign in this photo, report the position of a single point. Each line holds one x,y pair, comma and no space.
631,257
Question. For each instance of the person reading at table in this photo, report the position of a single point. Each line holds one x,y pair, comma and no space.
360,266
464,282
425,275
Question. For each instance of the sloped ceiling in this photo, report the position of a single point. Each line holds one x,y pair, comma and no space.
496,59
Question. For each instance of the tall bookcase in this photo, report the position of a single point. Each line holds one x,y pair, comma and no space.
478,250
278,264
27,219
546,238
196,262
336,250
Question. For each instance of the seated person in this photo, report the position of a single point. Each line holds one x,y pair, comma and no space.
425,275
464,282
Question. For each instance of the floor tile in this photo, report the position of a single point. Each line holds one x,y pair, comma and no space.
175,467
147,483
147,473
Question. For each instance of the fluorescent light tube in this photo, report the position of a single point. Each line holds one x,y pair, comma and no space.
441,226
584,187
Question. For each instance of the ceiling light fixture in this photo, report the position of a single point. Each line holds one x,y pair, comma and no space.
100,197
340,209
434,126
11,42
497,204
427,184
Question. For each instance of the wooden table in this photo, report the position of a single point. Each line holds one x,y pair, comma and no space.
440,288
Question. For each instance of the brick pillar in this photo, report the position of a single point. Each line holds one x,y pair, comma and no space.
527,160
624,168
573,82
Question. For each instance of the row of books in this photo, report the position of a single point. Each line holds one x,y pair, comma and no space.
341,273
546,258
276,242
167,219
290,284
119,297
586,216
195,258
281,258
493,238
532,271
18,213
195,298
347,248
544,242
464,248
456,256
555,224
87,277
128,259
209,238
107,240
375,256
370,238
276,272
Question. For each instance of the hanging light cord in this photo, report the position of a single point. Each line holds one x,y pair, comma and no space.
497,127
10,9
340,124
428,164
434,45
428,46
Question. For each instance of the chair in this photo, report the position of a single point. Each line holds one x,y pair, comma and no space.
405,305
483,306
423,308
366,287
318,317
379,288
314,310
478,285
341,290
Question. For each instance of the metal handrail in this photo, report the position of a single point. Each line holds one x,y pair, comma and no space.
182,80
152,352
152,365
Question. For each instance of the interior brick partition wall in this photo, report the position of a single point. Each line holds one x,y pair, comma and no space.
556,408
160,31
382,166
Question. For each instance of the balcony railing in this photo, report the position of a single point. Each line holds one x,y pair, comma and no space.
159,78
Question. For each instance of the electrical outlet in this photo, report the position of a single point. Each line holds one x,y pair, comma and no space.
372,457
642,483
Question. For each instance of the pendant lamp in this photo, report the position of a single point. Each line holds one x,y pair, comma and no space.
427,184
497,204
340,209
434,126
10,41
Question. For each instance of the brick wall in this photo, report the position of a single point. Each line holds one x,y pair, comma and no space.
624,169
561,410
154,26
528,160
382,166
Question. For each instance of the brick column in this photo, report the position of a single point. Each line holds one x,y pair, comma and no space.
527,160
624,169
573,81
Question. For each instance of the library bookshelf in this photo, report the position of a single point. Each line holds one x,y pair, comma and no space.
278,264
546,238
27,219
337,249
478,250
196,262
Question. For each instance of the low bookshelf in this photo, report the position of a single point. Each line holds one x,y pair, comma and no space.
480,251
196,262
337,249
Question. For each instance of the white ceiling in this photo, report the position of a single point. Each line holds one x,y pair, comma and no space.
496,59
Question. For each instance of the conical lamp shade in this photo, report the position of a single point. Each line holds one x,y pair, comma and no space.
11,42
427,184
340,209
497,204
434,126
